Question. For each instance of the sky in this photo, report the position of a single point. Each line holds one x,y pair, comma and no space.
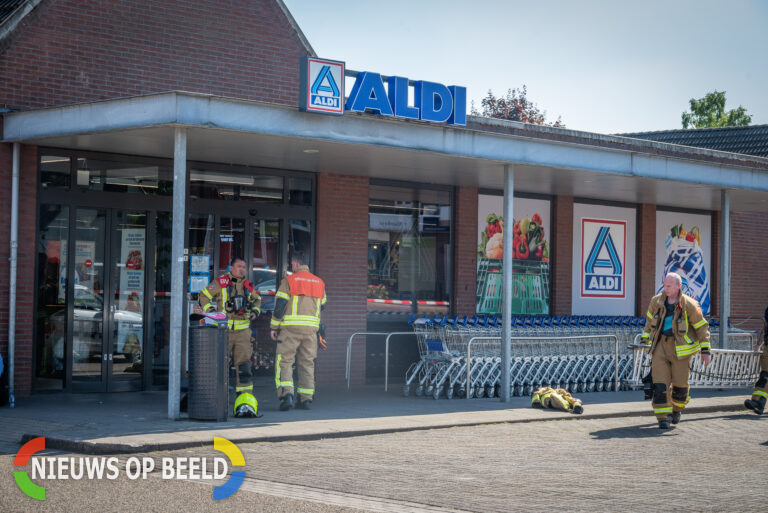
602,66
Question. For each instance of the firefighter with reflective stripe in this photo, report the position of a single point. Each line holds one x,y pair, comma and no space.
236,296
557,398
676,330
760,395
295,325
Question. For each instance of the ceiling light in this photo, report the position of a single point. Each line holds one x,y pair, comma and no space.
311,150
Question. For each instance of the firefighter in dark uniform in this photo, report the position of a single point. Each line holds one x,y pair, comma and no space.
236,296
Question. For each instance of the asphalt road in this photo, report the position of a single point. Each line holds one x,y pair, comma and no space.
710,462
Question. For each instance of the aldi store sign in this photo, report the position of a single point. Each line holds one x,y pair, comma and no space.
603,248
322,90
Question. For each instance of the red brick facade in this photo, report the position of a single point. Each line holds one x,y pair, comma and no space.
26,258
749,263
70,51
646,257
562,258
342,261
465,252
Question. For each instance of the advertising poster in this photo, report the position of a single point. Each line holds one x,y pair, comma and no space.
603,279
530,230
684,246
131,292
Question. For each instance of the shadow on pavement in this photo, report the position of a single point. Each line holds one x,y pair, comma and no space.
652,430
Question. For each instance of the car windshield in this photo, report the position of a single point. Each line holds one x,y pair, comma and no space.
87,299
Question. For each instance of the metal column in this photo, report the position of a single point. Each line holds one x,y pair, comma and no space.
177,270
725,266
509,191
11,370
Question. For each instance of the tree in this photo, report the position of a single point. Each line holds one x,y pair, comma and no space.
515,106
709,112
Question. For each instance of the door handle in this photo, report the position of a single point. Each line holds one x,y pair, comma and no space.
105,357
110,357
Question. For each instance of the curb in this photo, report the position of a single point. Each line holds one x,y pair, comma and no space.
89,447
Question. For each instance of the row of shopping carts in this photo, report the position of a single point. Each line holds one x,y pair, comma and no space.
577,353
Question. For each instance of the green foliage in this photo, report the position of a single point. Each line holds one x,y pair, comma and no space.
709,112
515,106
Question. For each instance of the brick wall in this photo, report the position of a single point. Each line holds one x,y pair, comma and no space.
749,263
70,51
26,258
562,256
342,261
465,252
646,257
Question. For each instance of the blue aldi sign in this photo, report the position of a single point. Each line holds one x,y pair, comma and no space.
322,86
322,90
603,253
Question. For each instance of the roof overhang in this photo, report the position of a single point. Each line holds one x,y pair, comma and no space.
259,134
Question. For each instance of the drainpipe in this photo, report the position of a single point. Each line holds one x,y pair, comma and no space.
14,258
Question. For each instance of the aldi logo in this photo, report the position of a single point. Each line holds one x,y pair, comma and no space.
603,253
322,86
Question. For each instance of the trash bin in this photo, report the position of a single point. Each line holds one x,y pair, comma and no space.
208,373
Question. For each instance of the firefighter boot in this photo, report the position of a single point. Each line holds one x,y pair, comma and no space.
675,419
286,402
304,405
756,405
664,423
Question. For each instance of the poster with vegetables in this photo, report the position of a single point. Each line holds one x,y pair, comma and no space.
683,246
531,249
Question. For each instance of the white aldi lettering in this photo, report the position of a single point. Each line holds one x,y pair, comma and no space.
322,86
603,250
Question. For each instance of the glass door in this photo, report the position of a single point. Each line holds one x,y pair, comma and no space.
89,359
109,297
129,262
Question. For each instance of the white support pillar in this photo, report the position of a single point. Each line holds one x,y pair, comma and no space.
725,265
11,364
177,270
509,191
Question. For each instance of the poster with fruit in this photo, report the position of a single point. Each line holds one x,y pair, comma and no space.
684,246
529,230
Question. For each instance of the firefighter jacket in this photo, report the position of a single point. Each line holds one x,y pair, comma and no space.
556,398
235,297
690,328
298,301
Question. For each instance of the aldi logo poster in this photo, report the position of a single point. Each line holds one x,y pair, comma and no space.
603,263
322,86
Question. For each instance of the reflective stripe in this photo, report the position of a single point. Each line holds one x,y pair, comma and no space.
277,370
208,307
687,350
244,388
705,344
295,305
206,293
239,324
760,393
679,405
282,295
649,314
663,410
274,323
700,324
285,384
300,320
306,391
645,335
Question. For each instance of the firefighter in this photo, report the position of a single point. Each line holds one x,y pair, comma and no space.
676,330
557,398
757,402
295,325
236,296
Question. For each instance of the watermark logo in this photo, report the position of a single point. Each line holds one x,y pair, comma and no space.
22,478
191,468
236,458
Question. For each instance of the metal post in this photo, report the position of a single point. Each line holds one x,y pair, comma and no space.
509,191
177,270
12,278
725,266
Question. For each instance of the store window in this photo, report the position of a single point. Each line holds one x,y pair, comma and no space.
53,230
300,191
409,238
123,176
55,172
206,184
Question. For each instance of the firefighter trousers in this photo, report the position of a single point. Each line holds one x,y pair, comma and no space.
241,349
296,344
670,379
761,387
